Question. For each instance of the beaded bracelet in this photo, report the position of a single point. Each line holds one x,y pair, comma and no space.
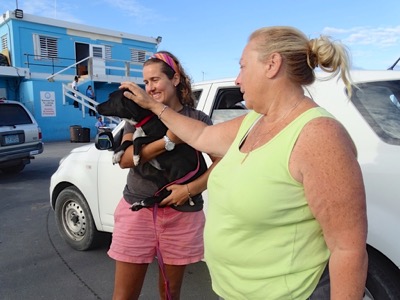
164,108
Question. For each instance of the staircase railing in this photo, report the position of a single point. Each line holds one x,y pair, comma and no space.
84,101
51,77
116,67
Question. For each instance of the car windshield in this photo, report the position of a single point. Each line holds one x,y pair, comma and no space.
13,114
379,103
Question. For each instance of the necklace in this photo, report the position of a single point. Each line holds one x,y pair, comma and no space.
259,136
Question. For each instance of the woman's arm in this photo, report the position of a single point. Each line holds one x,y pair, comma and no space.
148,152
181,193
214,140
324,160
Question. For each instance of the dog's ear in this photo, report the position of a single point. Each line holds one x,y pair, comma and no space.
122,96
120,106
117,94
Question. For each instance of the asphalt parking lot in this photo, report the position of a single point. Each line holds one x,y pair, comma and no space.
35,263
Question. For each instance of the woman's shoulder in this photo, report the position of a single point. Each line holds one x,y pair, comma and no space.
323,128
196,114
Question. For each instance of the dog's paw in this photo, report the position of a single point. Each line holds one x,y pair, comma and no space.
155,164
116,158
137,206
136,160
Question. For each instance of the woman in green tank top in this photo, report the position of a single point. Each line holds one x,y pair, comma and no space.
287,210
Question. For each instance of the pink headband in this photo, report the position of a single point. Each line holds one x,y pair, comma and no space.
168,60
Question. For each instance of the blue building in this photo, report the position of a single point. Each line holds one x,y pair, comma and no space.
41,56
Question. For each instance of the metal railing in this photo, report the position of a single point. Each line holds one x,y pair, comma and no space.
59,65
85,102
89,59
46,61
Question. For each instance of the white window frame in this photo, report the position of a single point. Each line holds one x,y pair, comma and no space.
45,47
108,52
138,56
4,42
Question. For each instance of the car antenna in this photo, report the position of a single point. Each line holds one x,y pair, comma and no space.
391,68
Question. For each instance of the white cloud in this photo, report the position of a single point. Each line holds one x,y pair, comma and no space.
46,8
133,8
370,47
381,37
130,10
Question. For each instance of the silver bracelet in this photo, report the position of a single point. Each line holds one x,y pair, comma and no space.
191,203
164,108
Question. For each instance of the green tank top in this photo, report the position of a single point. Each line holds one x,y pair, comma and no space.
261,239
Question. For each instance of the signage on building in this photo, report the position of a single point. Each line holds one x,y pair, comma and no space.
48,104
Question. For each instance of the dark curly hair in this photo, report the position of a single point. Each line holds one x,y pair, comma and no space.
184,88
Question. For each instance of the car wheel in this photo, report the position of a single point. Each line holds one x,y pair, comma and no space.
14,169
75,221
383,277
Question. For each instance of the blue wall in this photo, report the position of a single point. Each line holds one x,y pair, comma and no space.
56,128
56,125
23,45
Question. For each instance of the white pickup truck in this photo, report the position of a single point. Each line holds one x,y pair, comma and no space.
86,188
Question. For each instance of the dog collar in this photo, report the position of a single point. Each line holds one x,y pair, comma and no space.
144,121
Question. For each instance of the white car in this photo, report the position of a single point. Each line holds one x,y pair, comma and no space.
86,188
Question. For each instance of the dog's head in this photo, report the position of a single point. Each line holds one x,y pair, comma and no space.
118,105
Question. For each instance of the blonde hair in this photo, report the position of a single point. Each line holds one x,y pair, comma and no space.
301,55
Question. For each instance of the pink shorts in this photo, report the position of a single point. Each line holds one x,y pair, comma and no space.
180,235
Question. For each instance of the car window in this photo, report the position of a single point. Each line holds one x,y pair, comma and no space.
13,114
228,104
378,102
196,97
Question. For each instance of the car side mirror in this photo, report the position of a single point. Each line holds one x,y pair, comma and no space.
104,141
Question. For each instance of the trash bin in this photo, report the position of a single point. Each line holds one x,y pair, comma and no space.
84,137
75,132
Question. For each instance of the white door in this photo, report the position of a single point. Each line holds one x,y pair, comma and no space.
99,64
111,184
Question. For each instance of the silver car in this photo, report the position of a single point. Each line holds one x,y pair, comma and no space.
20,136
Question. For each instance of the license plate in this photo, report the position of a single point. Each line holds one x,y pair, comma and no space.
11,139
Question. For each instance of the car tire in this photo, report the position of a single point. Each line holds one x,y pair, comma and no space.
383,277
75,221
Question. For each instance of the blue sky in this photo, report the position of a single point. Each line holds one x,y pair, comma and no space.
208,35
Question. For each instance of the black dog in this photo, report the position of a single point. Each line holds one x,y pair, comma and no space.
181,165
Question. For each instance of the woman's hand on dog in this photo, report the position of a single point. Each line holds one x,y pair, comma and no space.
138,95
177,197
